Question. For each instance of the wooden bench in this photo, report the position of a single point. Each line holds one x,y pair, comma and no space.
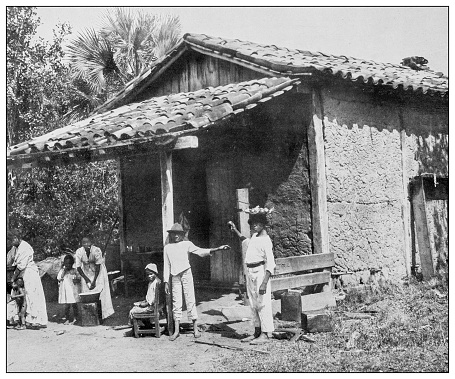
303,271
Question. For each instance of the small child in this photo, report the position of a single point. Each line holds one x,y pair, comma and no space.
68,291
147,305
18,295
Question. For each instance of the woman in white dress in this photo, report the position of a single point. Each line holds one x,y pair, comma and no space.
90,265
36,314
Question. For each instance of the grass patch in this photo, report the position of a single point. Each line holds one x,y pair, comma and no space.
407,333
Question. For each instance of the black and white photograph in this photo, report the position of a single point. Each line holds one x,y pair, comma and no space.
226,189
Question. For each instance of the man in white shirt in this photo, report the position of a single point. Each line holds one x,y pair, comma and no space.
260,265
177,269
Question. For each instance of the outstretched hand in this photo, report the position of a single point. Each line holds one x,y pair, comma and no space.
166,288
224,247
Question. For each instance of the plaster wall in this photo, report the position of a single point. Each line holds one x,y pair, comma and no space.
372,149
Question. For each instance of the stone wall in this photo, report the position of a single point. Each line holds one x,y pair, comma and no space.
367,192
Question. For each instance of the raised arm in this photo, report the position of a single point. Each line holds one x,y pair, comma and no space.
20,294
236,231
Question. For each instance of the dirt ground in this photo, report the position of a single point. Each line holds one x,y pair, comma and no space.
103,349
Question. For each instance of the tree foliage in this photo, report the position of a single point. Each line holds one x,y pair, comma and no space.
53,206
56,206
36,76
47,88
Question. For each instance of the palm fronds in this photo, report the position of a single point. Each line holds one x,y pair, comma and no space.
126,44
92,59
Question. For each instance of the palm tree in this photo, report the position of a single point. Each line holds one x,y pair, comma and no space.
92,59
126,44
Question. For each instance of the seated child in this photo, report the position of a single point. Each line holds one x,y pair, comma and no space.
68,291
147,305
18,295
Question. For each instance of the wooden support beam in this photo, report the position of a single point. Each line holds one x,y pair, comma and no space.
297,281
405,206
121,224
318,183
243,202
167,201
422,233
303,262
84,154
186,142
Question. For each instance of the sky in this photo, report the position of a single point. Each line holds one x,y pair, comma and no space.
382,34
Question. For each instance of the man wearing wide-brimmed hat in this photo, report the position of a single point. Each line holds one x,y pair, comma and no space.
260,265
177,269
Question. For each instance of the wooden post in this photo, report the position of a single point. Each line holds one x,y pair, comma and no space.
318,182
406,213
423,236
121,224
243,202
167,201
167,214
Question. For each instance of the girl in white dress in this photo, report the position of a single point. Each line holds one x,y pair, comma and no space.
68,291
90,265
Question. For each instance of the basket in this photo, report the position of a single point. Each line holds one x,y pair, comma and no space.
89,297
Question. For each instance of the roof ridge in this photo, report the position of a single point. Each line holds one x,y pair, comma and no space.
318,52
285,61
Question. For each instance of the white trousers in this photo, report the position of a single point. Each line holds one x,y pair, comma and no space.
261,305
183,282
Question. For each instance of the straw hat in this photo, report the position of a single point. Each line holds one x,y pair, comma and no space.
152,267
176,228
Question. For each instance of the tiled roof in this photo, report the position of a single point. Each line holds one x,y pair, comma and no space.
289,62
156,117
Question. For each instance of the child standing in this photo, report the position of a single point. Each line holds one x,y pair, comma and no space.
68,291
18,295
177,270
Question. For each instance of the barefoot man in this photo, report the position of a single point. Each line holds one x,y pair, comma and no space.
177,269
260,264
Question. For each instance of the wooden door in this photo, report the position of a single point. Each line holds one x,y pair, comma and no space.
221,194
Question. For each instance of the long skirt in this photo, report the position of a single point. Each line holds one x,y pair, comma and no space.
36,312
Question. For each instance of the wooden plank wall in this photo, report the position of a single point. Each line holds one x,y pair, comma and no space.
194,71
190,198
423,238
221,193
